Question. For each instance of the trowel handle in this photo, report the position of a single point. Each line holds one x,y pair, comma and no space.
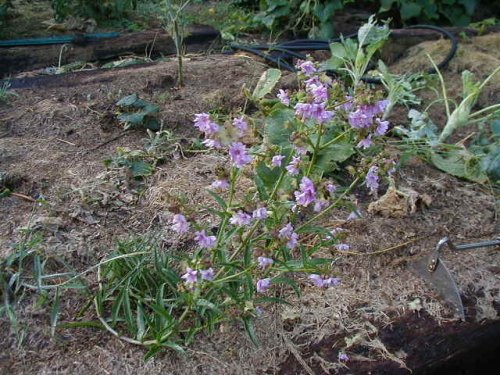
495,242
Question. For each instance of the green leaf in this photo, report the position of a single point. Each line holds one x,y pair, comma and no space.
410,10
386,5
337,59
268,176
370,33
460,163
141,322
140,168
250,329
279,126
218,199
128,100
266,83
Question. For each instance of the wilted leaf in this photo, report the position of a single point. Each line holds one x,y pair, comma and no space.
266,83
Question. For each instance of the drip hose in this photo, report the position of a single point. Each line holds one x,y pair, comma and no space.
282,54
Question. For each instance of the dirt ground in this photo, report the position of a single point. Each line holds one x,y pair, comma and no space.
53,139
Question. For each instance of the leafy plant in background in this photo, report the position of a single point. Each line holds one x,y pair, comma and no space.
137,113
476,163
5,92
454,12
354,57
99,10
4,7
174,24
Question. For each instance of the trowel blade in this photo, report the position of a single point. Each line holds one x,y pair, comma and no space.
443,283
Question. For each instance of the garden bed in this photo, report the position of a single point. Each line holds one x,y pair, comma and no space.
54,138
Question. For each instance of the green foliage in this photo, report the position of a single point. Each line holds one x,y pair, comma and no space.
266,83
454,12
139,163
99,10
4,7
137,113
5,92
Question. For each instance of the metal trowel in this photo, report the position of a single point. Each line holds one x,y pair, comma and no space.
434,270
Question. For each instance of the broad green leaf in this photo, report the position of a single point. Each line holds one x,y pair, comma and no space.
141,322
460,163
267,175
140,168
279,126
371,33
410,10
127,101
266,83
337,59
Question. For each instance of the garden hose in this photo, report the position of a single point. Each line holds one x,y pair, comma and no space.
282,54
79,39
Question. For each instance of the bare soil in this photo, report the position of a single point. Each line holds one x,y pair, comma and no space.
53,140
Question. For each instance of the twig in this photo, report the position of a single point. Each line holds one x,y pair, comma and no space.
22,196
108,141
62,140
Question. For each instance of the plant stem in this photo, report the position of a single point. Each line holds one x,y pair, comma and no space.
323,146
316,149
329,208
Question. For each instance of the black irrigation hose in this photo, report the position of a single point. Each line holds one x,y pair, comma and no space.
287,50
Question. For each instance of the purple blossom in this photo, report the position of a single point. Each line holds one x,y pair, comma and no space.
241,219
180,224
365,143
191,276
283,97
313,81
264,262
307,193
343,357
203,123
240,124
337,230
382,127
319,93
292,168
319,113
287,233
303,110
207,274
331,281
372,179
342,247
300,150
320,205
204,241
360,119
277,160
331,188
239,155
201,119
354,215
263,285
220,185
382,105
348,104
317,280
260,213
212,143
307,67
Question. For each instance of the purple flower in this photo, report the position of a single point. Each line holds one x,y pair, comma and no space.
316,279
331,281
300,150
365,143
331,188
283,97
354,215
240,124
239,155
220,185
260,213
263,285
190,277
337,230
382,105
201,119
207,274
292,168
180,224
313,81
372,179
264,262
204,241
203,123
287,233
359,119
320,205
277,160
320,114
307,193
319,93
212,143
343,357
307,67
348,104
342,247
382,127
241,219
303,110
